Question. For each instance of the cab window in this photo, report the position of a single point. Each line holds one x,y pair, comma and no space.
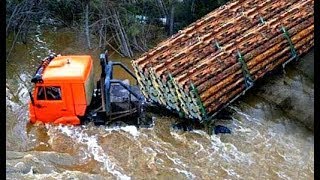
41,95
53,93
49,93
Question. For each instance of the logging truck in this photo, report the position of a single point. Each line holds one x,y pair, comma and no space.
196,73
64,92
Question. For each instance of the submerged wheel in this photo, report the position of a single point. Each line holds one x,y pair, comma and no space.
117,124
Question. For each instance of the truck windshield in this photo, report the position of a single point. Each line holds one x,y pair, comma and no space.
49,93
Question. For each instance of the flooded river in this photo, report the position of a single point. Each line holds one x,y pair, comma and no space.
272,131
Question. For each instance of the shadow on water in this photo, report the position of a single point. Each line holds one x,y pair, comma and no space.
274,116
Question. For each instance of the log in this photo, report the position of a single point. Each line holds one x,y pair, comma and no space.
198,71
223,100
219,33
266,58
220,14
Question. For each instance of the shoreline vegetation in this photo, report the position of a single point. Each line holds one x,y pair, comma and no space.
128,27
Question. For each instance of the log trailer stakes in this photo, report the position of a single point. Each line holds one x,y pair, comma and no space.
207,65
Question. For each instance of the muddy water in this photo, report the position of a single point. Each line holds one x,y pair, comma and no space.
272,135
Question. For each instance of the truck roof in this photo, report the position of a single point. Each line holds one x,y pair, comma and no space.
75,68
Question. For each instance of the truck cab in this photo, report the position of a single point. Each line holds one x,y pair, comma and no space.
63,88
64,93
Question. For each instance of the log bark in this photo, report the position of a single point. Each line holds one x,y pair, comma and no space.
225,13
203,61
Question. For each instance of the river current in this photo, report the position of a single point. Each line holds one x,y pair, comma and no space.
272,130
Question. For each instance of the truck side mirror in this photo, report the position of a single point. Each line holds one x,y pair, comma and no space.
31,97
102,59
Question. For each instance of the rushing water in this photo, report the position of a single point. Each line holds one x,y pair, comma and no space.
272,135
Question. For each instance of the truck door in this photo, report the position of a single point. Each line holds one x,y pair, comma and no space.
51,103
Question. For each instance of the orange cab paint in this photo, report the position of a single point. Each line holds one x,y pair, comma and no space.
65,92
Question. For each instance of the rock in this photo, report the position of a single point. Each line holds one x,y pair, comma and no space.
221,129
293,92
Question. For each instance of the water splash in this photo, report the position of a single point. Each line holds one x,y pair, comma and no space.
79,136
131,130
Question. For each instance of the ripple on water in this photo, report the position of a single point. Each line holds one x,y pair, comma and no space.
93,147
264,143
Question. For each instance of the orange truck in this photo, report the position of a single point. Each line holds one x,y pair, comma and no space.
65,92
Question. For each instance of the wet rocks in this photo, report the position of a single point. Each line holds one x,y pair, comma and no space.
295,97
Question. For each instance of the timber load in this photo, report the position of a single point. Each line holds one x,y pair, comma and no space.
206,66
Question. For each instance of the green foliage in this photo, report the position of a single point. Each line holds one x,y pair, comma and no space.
189,11
64,10
140,19
203,7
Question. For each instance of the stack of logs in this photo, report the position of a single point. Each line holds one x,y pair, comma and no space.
210,63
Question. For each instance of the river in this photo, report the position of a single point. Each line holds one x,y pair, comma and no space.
272,130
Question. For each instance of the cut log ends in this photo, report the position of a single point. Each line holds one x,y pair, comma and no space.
212,62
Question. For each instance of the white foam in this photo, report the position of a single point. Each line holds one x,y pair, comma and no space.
282,175
23,93
228,151
178,136
178,162
9,103
243,129
231,172
31,171
92,147
131,130
12,105
148,150
24,77
19,164
188,174
246,116
200,145
200,132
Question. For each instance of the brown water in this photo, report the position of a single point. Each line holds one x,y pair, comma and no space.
268,141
